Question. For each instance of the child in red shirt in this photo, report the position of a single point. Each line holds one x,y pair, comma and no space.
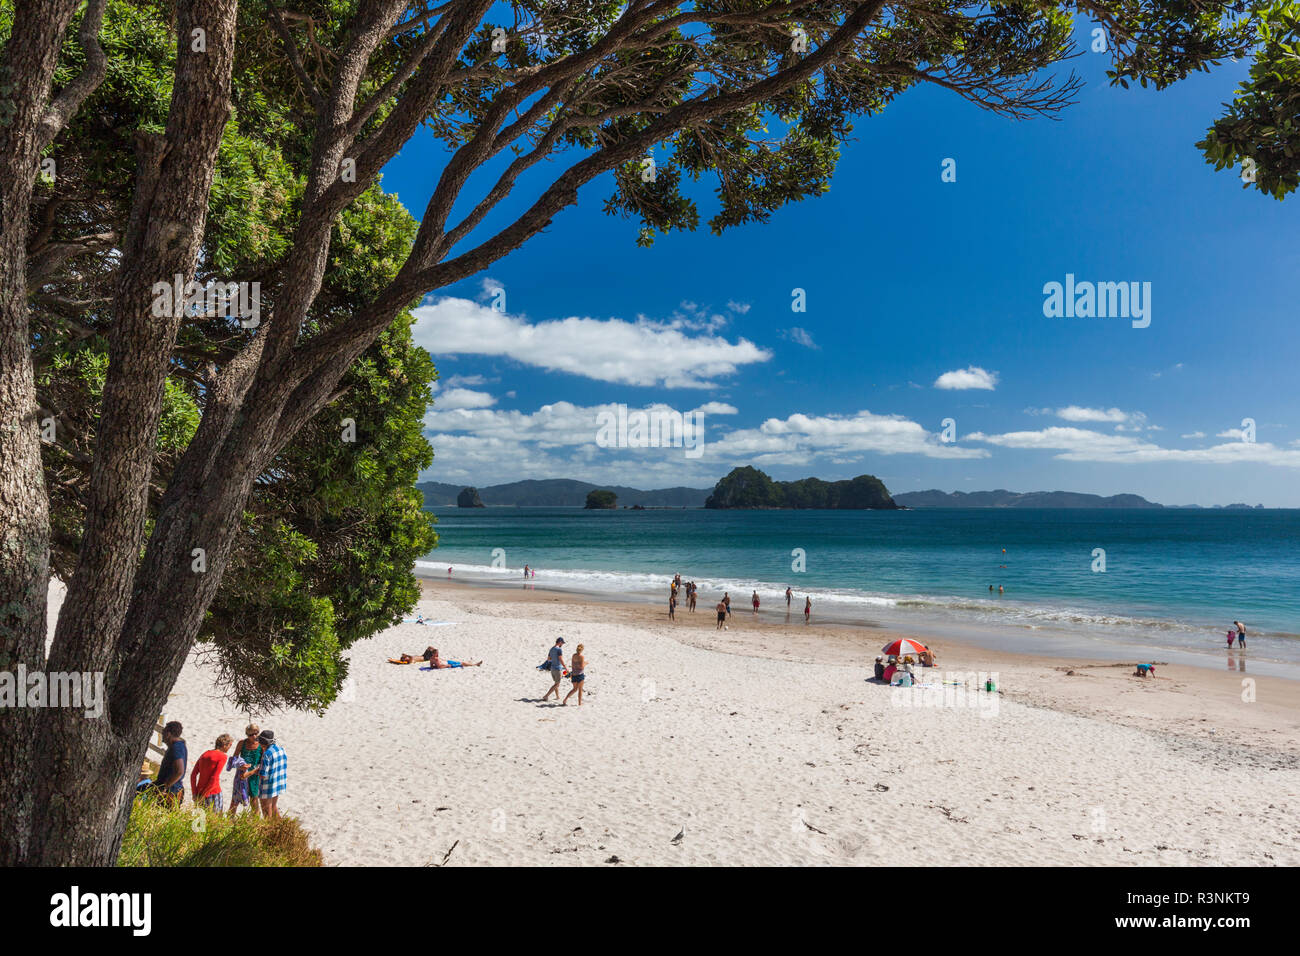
205,778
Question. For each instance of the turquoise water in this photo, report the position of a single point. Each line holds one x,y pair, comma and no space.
1172,578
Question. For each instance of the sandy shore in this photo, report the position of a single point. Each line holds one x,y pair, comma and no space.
765,744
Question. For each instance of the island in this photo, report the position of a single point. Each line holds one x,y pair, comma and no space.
600,498
748,487
468,498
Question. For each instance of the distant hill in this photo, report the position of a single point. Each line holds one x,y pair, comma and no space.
1013,499
561,493
750,488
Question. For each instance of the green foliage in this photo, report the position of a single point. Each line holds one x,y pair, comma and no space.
158,835
1261,128
600,498
333,527
748,487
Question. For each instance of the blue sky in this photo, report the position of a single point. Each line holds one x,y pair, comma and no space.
908,278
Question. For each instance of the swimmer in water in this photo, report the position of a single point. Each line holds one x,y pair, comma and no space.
999,589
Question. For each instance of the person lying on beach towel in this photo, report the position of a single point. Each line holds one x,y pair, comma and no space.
437,663
428,653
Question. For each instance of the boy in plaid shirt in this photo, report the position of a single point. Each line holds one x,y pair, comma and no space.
273,773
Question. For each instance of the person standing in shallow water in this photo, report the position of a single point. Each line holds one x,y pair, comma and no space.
807,608
726,602
788,595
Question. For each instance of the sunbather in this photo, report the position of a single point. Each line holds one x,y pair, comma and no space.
437,663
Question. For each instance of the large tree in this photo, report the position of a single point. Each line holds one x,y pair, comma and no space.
324,555
756,94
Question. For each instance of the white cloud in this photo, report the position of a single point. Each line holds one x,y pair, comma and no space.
739,307
453,398
1194,435
466,380
487,445
800,337
1074,413
799,438
964,378
608,350
1082,444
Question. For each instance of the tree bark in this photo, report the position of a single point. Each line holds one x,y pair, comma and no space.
83,792
27,68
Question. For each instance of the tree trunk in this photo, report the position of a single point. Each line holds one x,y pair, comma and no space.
68,781
27,70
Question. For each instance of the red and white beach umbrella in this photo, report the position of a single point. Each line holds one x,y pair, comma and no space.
903,647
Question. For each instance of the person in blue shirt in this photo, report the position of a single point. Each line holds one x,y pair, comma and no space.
170,782
555,657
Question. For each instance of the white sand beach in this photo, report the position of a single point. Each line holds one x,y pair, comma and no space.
765,745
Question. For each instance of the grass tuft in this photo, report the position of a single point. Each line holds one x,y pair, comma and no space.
191,836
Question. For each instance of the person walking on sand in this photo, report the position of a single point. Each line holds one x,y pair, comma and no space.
722,615
555,657
274,774
690,597
726,601
807,608
672,606
755,600
577,674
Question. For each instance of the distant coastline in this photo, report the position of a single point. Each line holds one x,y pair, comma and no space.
572,493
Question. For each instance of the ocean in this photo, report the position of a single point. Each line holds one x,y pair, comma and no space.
1108,583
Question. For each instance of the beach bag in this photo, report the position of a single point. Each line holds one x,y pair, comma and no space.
544,665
